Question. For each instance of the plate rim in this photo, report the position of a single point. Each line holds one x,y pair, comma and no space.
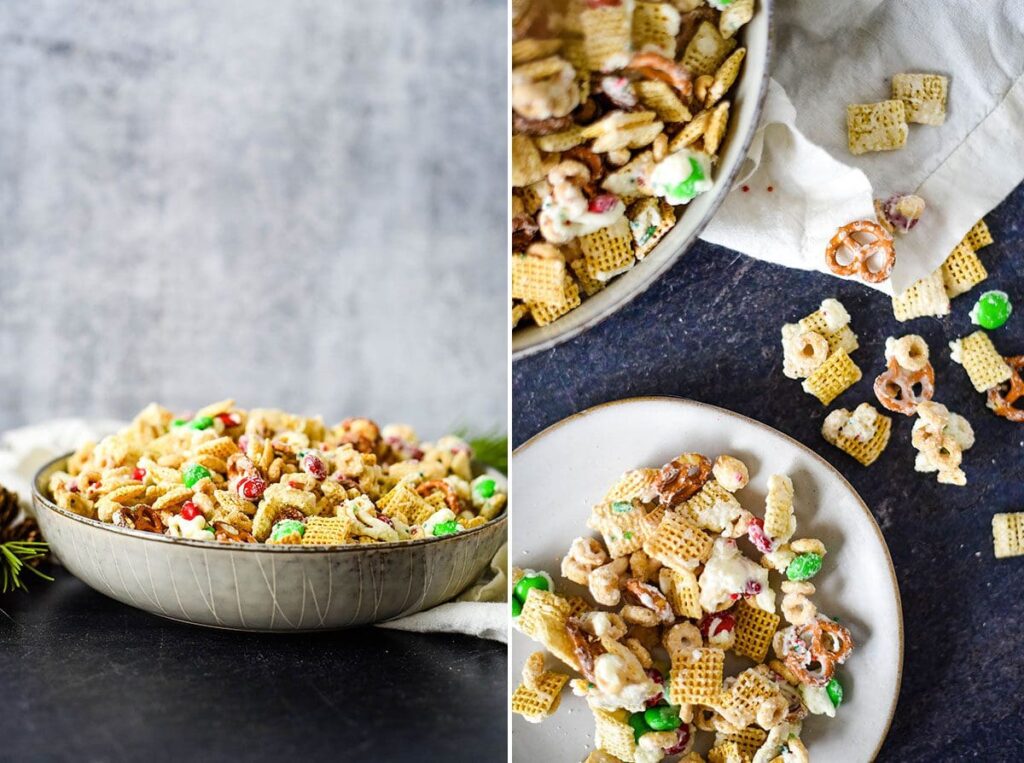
687,402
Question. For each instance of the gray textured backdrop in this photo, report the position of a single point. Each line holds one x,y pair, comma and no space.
294,203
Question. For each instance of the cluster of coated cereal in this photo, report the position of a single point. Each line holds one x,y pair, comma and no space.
672,592
817,349
267,476
992,374
618,113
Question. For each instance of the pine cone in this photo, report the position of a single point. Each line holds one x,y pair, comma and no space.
26,531
9,507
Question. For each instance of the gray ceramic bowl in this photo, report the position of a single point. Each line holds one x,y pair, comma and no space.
255,587
747,97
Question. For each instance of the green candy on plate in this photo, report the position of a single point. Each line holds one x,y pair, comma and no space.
663,717
528,582
804,567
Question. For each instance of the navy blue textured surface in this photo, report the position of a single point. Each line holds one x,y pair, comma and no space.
709,331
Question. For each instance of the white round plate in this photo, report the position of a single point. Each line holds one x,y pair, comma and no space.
568,467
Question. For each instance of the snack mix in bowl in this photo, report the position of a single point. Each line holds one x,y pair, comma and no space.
619,109
267,476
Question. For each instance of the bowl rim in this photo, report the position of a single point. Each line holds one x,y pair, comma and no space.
39,499
526,347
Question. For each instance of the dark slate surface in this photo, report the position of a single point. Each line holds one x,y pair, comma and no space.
84,678
709,330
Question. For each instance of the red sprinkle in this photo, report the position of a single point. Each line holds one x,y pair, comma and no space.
139,474
602,203
746,188
189,510
771,188
753,588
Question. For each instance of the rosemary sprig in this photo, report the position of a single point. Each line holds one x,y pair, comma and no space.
490,449
15,560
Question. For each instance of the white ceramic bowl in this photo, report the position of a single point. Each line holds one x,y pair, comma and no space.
747,98
562,472
256,587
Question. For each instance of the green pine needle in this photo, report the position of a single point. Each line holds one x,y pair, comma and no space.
490,448
15,558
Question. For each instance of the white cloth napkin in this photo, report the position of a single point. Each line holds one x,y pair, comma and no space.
829,55
480,610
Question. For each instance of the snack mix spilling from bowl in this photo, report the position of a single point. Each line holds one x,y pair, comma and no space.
618,115
671,591
267,476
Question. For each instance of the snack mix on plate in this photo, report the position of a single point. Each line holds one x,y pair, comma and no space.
267,476
675,591
618,114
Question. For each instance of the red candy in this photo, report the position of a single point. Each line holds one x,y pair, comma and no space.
314,465
139,474
719,622
655,675
229,419
682,741
190,511
757,535
251,488
602,203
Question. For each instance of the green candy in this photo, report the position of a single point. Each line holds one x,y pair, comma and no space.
178,423
621,507
687,188
525,585
992,310
663,717
517,607
804,567
639,723
287,527
446,528
193,474
834,689
484,488
201,422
